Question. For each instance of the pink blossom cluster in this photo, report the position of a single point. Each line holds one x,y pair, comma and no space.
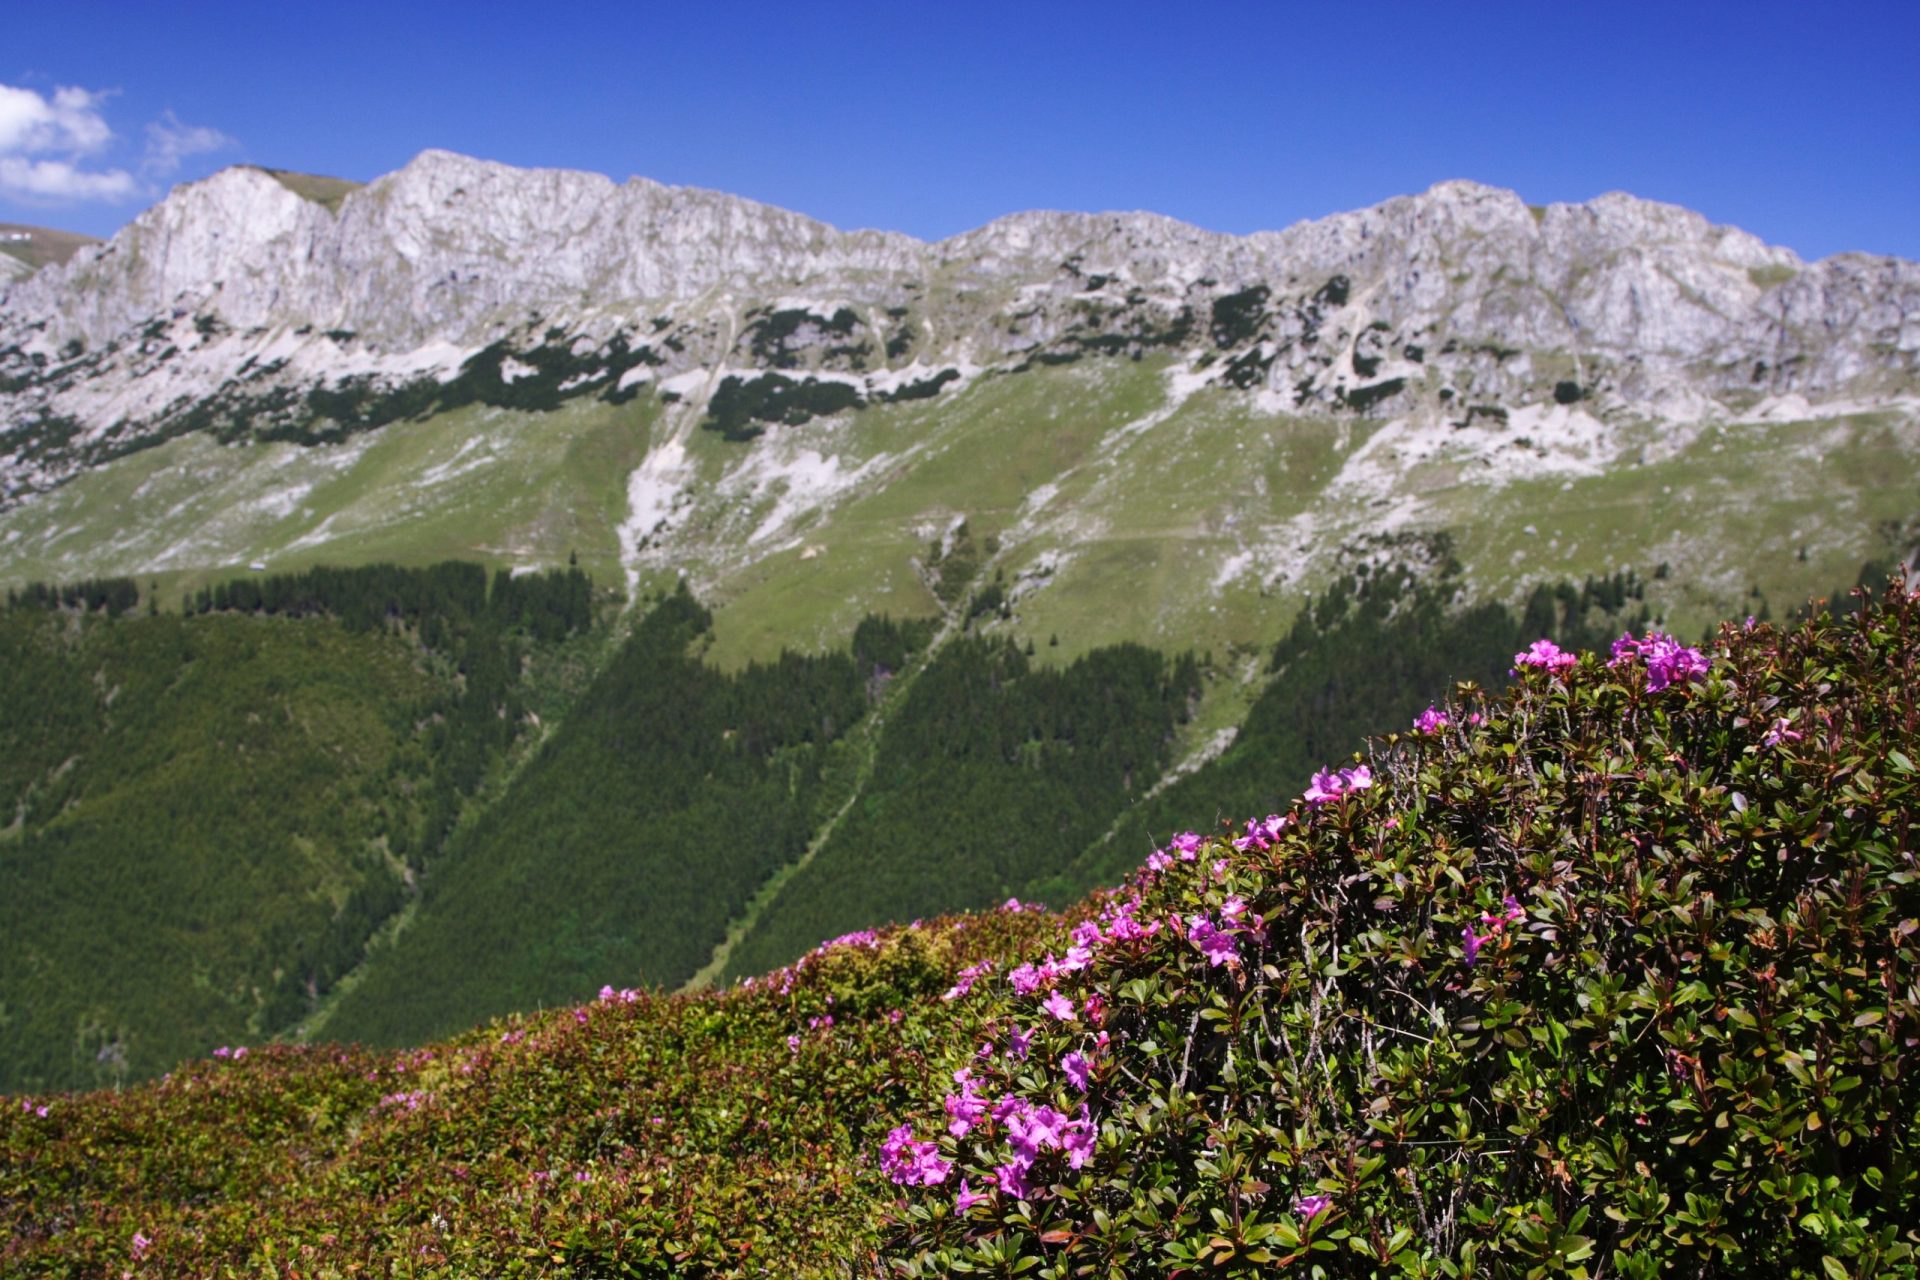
1185,846
966,1108
1262,832
1013,906
1311,1207
1782,731
29,1106
1432,720
1216,941
626,995
141,1243
1032,1130
1119,922
1546,655
1667,660
1329,785
1471,942
911,1163
407,1100
967,978
235,1054
868,938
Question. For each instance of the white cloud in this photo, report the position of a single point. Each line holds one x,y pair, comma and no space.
70,121
169,142
61,180
51,147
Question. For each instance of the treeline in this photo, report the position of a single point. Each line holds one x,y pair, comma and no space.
441,602
623,849
1365,657
989,777
111,596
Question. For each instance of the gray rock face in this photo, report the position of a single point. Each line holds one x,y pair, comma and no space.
227,305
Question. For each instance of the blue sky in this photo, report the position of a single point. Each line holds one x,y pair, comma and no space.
1799,122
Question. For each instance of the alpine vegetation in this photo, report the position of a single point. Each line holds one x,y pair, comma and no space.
1610,973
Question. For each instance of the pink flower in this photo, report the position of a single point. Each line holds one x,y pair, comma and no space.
1025,980
1261,832
911,1163
223,1052
1329,785
1325,787
1471,942
1074,1066
793,1044
1782,731
1546,655
1311,1207
580,1016
1187,844
1019,1042
141,1243
1059,1006
1077,1139
966,1198
966,1108
1158,860
1215,944
1667,660
1011,1178
965,984
1432,720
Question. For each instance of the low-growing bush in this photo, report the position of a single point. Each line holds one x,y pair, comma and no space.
1613,975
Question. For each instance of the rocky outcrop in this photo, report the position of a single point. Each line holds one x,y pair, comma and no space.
236,305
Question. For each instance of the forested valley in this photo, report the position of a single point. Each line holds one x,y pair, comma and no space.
382,804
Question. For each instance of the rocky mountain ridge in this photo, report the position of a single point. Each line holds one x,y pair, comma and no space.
239,306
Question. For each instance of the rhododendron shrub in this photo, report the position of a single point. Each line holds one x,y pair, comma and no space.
1611,975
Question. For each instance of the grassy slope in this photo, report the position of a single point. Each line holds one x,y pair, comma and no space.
492,485
46,246
1559,1101
1140,528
